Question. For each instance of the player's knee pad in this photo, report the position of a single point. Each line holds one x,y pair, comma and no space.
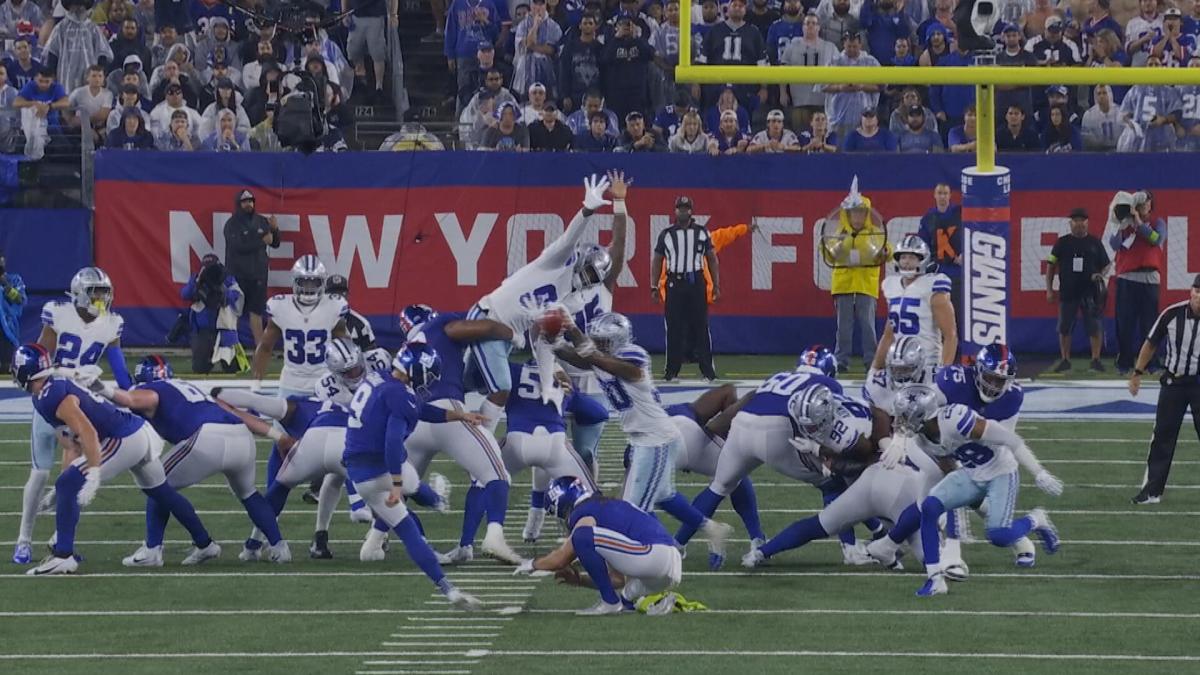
1002,536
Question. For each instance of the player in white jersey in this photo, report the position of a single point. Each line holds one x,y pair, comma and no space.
989,454
918,305
306,320
623,369
76,333
562,268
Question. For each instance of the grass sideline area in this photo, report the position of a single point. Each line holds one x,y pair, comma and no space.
1121,594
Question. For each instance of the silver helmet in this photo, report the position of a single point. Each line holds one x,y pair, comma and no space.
344,359
913,406
912,245
907,361
813,409
610,331
92,291
308,280
592,264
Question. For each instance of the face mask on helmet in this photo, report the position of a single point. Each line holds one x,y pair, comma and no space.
308,289
99,299
992,385
592,266
908,264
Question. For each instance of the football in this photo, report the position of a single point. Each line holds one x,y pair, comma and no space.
551,322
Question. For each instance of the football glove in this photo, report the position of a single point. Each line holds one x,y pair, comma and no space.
893,453
525,568
593,192
1048,483
91,485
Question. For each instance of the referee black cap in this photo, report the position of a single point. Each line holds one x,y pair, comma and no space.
683,200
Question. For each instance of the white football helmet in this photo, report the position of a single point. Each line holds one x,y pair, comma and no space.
308,280
912,245
610,331
344,359
92,291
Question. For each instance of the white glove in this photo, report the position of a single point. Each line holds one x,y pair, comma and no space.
86,376
894,452
805,446
256,387
1048,483
593,192
525,568
91,485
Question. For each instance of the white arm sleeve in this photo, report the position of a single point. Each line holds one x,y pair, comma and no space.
997,434
275,408
558,251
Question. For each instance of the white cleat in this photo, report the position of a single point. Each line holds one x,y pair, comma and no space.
280,553
198,555
885,552
373,549
664,607
144,557
754,558
495,547
55,565
934,585
441,487
463,601
757,543
533,525
361,515
457,555
251,554
602,608
1025,555
856,555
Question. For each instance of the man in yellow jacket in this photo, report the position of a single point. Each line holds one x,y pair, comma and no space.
856,252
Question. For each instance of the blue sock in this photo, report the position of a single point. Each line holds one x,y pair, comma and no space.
830,492
706,503
585,548
472,515
745,503
183,511
931,510
356,502
424,496
952,524
906,525
1007,536
873,524
418,549
795,535
277,495
495,499
682,510
586,438
380,525
156,523
537,499
274,461
263,517
420,527
66,512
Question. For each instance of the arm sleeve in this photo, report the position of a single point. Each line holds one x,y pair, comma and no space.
394,452
116,361
432,414
997,434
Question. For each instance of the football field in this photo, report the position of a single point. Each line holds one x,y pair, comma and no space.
1122,594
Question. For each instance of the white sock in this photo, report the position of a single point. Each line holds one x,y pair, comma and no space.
931,570
495,528
952,550
327,500
492,412
29,502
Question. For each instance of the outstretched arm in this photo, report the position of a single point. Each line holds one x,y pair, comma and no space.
619,190
474,330
557,252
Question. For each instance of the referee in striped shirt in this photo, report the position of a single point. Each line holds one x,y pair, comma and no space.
684,248
1179,327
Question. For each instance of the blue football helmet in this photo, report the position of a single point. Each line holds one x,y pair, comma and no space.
151,369
30,362
563,494
415,316
817,359
813,409
995,370
421,363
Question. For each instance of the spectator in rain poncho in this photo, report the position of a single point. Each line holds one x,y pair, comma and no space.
75,44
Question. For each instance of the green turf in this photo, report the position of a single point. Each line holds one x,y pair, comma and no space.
801,581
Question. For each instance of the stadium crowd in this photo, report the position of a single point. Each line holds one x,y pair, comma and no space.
587,75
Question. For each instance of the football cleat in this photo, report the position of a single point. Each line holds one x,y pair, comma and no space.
361,515
319,548
533,525
956,571
251,554
310,497
198,555
463,601
602,608
886,552
663,607
457,555
1025,560
279,553
495,547
374,547
754,558
718,534
1025,553
934,585
144,557
55,565
1045,530
441,487
856,555
48,501
1143,498
22,553
757,542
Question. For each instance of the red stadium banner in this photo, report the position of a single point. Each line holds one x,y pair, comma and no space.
445,228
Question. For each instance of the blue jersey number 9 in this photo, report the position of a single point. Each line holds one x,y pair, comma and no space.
354,421
301,347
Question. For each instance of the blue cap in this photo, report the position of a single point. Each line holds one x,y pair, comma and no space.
485,46
1056,89
1010,28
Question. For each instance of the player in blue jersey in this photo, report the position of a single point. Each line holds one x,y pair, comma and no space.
989,454
383,413
102,442
76,333
471,447
611,538
206,440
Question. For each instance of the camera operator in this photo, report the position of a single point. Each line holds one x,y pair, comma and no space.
12,303
216,303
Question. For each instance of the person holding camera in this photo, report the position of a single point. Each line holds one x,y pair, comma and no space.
1081,264
1137,239
216,303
